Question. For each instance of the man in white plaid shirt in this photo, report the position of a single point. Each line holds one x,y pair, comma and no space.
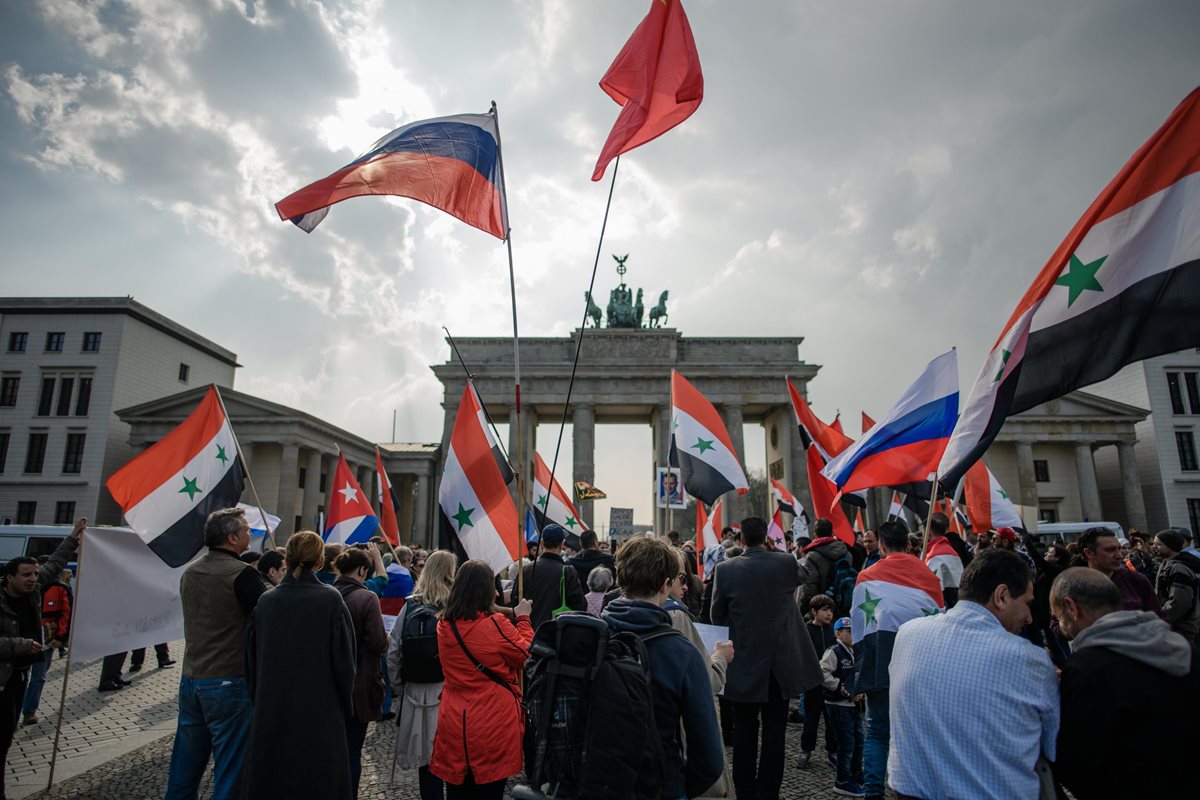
973,705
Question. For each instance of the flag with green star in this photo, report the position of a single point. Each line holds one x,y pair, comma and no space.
889,593
988,506
167,492
1123,286
701,445
552,505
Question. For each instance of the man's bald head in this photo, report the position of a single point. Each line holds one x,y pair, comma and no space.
1080,596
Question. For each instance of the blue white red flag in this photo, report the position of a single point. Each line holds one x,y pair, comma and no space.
350,519
399,586
451,163
907,443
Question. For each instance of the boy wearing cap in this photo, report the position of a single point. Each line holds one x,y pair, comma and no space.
837,671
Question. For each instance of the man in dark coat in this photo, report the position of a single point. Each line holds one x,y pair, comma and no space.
590,557
1130,679
353,567
549,583
775,661
820,556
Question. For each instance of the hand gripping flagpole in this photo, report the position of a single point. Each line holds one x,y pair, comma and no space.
512,288
245,469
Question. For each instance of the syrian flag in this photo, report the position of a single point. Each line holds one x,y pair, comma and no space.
859,525
168,491
388,503
888,594
700,445
784,499
485,425
708,538
550,502
896,510
1122,287
943,561
476,508
350,519
775,534
988,505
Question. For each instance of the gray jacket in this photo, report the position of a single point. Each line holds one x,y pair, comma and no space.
12,644
752,594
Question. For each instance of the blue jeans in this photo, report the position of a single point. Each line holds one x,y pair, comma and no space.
847,726
214,718
875,746
37,679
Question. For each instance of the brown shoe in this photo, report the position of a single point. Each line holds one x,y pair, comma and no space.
30,719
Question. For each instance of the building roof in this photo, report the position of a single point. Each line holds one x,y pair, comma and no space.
117,305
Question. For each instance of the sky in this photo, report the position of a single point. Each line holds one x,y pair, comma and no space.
883,179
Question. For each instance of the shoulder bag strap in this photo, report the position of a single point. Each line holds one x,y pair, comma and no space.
479,665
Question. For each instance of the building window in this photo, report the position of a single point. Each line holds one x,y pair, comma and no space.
1041,470
1193,392
303,478
184,369
1176,392
9,384
298,523
26,510
4,438
64,512
65,388
321,485
18,341
54,341
1186,442
35,453
1048,515
84,398
1194,514
73,458
91,342
46,398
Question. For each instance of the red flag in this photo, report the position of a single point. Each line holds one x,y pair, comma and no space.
823,493
387,509
867,423
859,525
837,424
656,79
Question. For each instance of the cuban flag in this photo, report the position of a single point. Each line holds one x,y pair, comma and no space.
906,445
350,519
451,163
168,491
388,503
477,511
700,445
888,594
708,538
550,503
1123,286
988,505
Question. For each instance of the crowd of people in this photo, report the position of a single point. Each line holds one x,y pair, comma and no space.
980,665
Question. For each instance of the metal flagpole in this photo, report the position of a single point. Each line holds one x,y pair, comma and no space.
471,377
512,287
62,698
245,469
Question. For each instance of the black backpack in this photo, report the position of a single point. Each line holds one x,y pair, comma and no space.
842,577
420,662
577,746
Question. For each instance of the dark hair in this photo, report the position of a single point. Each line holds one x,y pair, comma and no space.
939,523
894,536
1061,553
1172,539
673,536
822,529
589,540
644,565
1088,588
250,557
820,601
14,565
726,530
734,552
1089,538
991,569
351,559
269,561
754,531
473,592
221,524
332,551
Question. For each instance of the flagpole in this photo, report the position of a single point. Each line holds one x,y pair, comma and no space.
512,288
242,458
929,514
62,698
471,377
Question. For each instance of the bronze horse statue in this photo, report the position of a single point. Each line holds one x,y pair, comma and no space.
658,314
593,311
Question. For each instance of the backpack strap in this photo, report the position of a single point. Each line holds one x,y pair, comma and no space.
480,666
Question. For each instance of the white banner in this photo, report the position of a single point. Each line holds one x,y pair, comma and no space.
126,597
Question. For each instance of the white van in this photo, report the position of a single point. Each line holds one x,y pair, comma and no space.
1066,532
31,540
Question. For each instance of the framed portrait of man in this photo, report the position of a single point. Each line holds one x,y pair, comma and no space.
669,492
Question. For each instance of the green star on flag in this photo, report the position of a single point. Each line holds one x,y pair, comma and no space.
1005,355
1080,277
703,444
543,500
189,486
1004,494
463,517
929,612
221,454
868,607
570,523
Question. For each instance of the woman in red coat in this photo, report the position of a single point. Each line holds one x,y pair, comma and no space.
480,721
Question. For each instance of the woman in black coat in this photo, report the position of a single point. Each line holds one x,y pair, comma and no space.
300,673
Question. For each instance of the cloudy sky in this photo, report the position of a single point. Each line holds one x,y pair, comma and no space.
883,179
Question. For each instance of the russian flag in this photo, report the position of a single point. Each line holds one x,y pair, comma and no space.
350,519
905,446
451,163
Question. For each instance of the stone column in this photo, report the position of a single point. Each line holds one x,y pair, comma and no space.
289,477
423,533
404,517
583,421
732,415
1131,487
312,488
366,482
247,457
328,467
1089,489
1026,477
799,476
660,425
